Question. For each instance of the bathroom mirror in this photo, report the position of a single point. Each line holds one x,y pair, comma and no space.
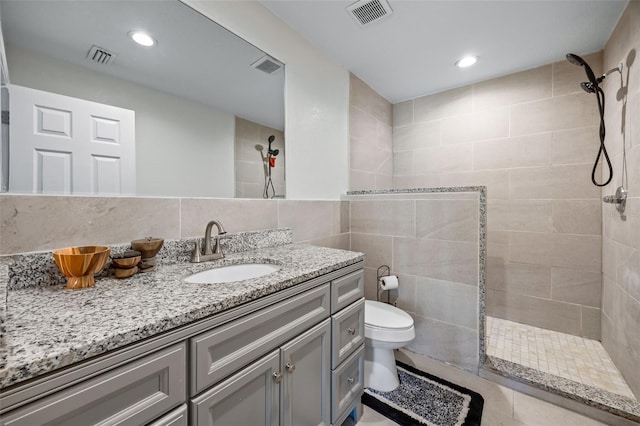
205,101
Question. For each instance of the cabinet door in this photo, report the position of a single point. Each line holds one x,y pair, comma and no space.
306,390
249,397
133,394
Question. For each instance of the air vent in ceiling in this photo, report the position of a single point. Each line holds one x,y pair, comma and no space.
267,64
369,11
100,55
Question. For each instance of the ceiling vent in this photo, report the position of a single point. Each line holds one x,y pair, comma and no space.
369,11
100,55
267,64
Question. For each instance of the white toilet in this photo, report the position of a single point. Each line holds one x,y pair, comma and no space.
385,328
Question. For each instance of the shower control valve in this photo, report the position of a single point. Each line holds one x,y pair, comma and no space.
620,199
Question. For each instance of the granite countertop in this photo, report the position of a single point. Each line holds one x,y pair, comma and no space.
50,327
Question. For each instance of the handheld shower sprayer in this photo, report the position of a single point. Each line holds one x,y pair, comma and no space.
270,163
593,86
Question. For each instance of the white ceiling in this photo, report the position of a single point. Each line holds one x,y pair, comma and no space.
412,52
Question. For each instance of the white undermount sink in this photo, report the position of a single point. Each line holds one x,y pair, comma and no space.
223,274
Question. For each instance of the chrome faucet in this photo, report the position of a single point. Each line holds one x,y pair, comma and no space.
197,256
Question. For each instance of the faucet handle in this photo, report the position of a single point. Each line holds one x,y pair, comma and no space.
195,254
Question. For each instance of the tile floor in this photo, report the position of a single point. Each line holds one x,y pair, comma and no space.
572,357
502,406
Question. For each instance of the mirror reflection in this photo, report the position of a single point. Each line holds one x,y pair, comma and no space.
94,112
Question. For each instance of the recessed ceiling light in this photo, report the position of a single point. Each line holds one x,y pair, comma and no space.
467,61
142,38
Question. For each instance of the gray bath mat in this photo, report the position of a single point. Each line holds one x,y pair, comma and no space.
424,399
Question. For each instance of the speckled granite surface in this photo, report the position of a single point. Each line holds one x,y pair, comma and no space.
594,397
49,327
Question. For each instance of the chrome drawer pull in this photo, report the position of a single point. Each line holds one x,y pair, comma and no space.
290,367
350,380
351,331
277,377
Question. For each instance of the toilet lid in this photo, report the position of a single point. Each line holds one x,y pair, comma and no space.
383,315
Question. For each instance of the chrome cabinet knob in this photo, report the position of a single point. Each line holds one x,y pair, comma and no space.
277,377
350,380
290,367
351,330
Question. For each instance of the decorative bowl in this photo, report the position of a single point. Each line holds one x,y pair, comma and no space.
79,264
149,246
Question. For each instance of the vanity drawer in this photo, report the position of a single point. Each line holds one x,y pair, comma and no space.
347,383
346,290
133,394
347,332
177,417
218,353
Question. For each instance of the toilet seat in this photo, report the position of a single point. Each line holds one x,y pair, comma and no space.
387,323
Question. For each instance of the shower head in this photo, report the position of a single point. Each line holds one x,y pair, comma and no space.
577,60
588,86
271,138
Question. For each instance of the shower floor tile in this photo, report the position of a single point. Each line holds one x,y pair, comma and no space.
572,357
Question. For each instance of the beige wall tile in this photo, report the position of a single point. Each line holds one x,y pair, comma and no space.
628,272
531,183
416,136
492,154
574,182
370,283
309,220
531,247
403,163
544,313
383,217
362,125
453,220
35,223
443,260
577,251
558,113
384,181
591,323
519,278
497,244
577,217
334,241
567,77
235,215
402,113
368,100
449,302
455,158
378,248
443,104
406,293
498,216
489,124
525,86
368,159
496,181
446,342
431,180
359,180
530,215
531,150
575,146
577,286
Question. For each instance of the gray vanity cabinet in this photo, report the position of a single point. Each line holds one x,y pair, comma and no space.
133,394
249,397
289,386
